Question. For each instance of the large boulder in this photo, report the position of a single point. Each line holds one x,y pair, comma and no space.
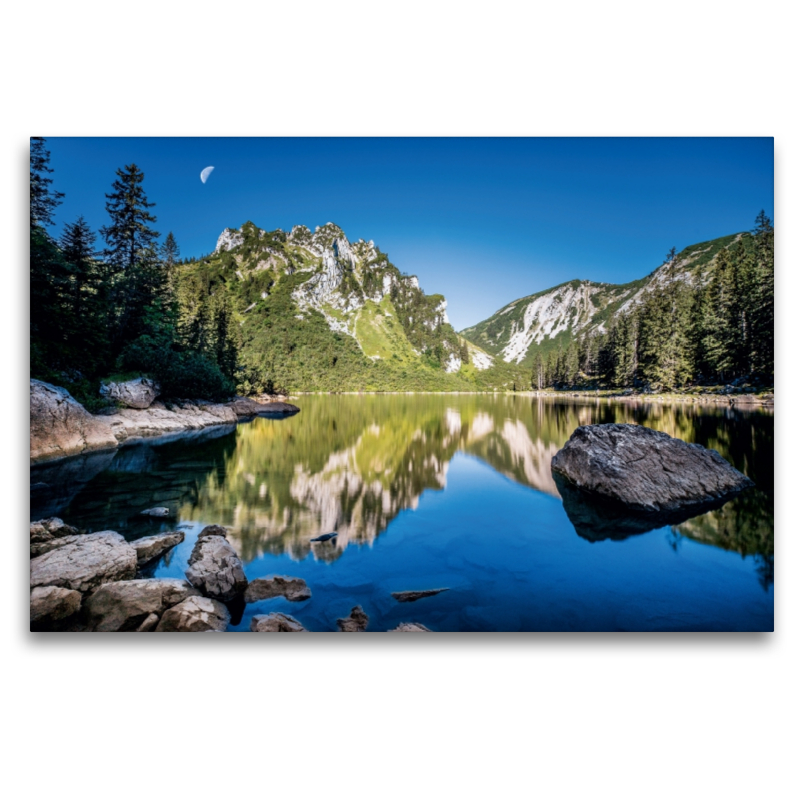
60,426
85,563
127,605
47,534
275,623
630,476
293,589
138,393
151,547
215,569
53,603
195,615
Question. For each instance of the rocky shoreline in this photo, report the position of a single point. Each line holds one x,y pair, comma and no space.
61,427
92,582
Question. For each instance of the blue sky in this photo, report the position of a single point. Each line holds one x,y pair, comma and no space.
482,221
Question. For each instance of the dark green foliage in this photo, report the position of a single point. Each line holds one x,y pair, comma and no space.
129,231
43,199
91,317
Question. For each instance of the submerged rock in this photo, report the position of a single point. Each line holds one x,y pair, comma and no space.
355,623
138,393
293,589
47,534
410,627
128,605
194,615
52,603
60,426
151,547
85,562
215,569
410,597
275,623
637,474
159,512
325,537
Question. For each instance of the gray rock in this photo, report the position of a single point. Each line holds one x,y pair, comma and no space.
51,603
215,569
85,562
127,605
149,624
275,623
138,393
159,512
213,530
410,597
355,623
47,534
410,627
293,589
195,615
150,547
645,471
60,426
245,407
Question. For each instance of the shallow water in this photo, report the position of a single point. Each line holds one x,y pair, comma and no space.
430,491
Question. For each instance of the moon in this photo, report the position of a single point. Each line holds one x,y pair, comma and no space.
205,173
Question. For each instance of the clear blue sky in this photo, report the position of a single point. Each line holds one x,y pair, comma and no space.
482,221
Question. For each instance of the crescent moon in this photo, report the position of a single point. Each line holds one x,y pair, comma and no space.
205,173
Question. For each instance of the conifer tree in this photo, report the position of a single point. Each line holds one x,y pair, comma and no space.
43,199
129,231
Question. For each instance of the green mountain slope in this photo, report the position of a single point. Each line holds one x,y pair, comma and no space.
318,313
553,318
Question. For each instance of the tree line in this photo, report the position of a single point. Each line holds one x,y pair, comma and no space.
122,308
713,327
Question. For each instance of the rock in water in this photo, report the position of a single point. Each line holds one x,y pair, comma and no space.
325,537
60,426
410,597
51,603
194,615
213,530
85,563
293,589
215,569
355,623
410,627
275,623
159,512
150,547
128,605
138,393
644,472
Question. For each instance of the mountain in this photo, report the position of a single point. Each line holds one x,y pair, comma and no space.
555,317
318,312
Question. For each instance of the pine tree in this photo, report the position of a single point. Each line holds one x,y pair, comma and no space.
170,251
43,199
129,231
764,279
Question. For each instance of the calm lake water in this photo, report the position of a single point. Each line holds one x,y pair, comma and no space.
430,491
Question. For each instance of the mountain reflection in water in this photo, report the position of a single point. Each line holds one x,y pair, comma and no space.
352,464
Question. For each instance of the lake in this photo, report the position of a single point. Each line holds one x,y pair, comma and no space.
430,491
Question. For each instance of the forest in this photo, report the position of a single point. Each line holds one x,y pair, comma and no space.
118,310
715,328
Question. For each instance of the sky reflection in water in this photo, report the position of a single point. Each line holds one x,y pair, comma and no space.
442,490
